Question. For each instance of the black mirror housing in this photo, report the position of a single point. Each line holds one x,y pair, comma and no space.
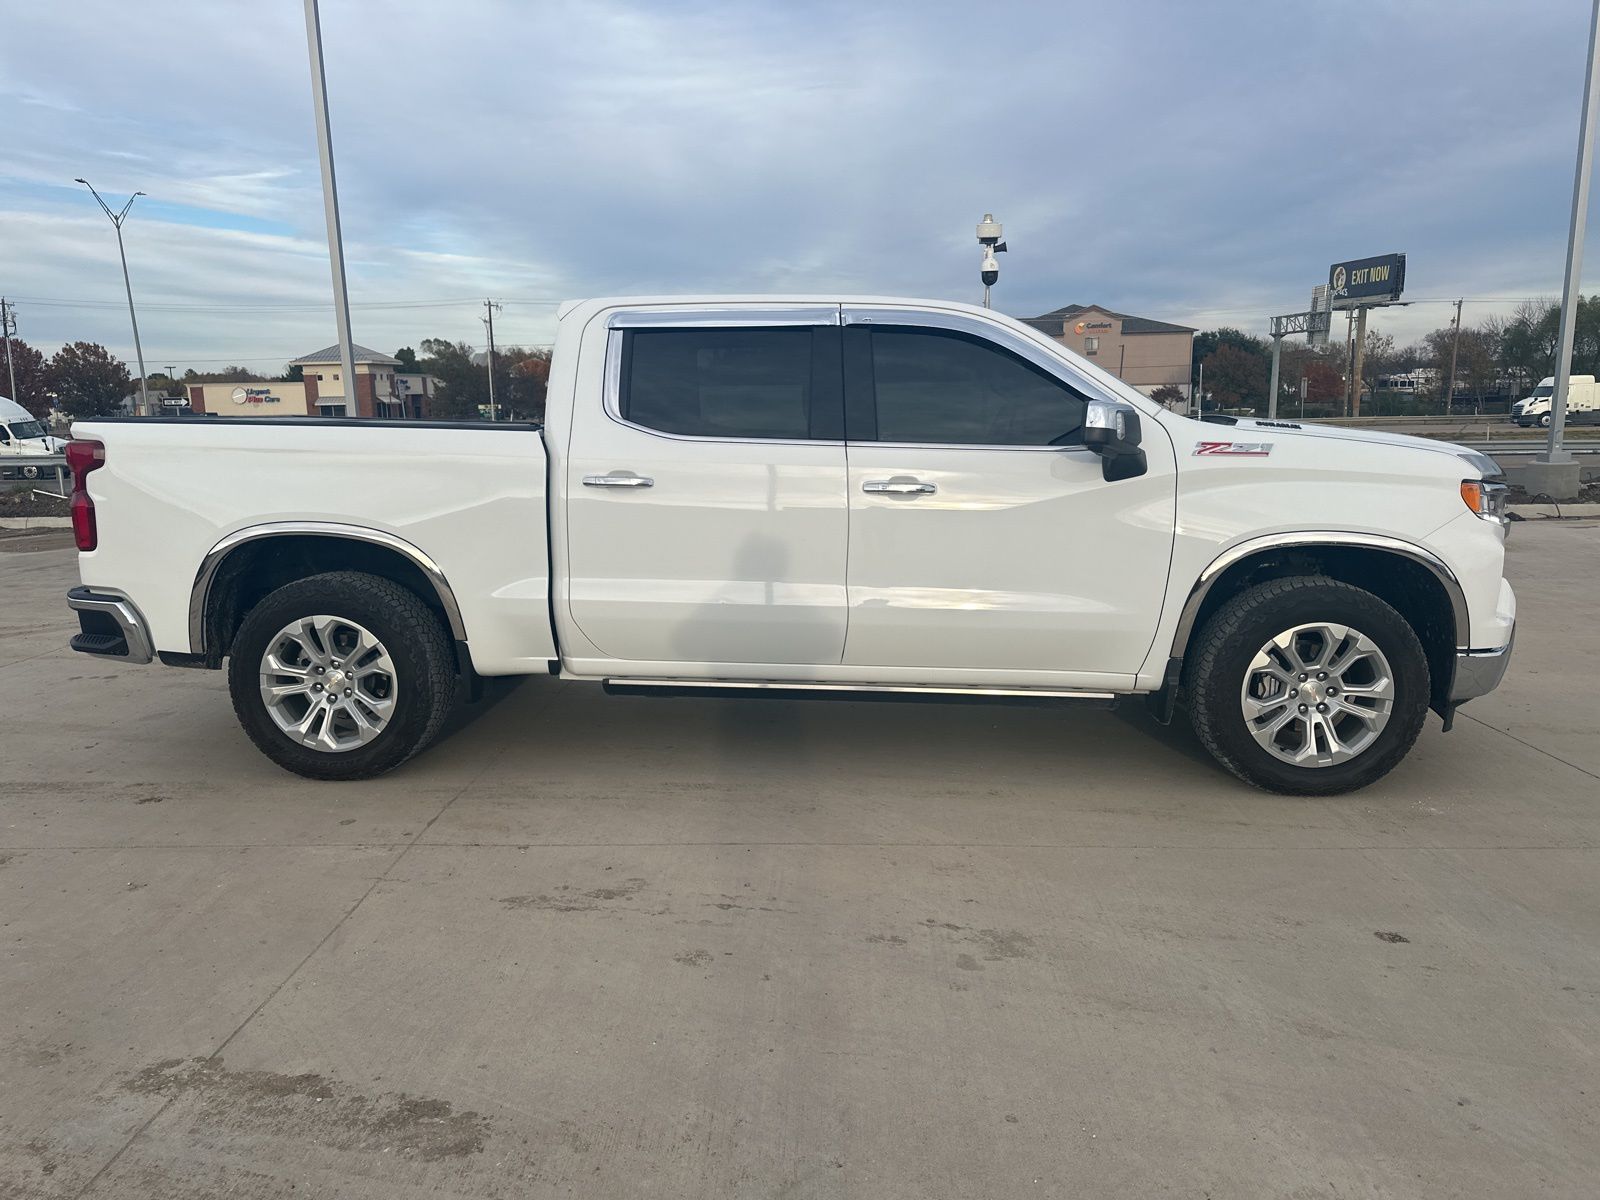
1113,432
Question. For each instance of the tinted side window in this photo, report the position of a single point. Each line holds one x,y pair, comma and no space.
941,387
727,383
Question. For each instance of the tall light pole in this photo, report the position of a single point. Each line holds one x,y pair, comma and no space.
8,326
330,204
116,220
1555,453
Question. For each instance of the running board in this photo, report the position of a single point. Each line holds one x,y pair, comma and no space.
784,689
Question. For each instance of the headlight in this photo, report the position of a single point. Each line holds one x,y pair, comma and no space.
1486,499
1480,462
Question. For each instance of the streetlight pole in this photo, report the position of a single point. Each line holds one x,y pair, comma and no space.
1555,453
7,322
116,221
330,204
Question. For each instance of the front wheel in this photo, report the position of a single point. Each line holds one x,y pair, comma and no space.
341,676
1307,686
1544,421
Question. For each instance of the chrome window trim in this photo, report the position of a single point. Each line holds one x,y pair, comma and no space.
611,394
200,592
711,316
1279,541
989,331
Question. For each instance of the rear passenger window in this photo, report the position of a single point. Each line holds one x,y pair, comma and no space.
936,387
730,383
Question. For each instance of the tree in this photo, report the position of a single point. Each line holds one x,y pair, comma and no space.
1235,377
1168,396
463,384
408,360
1207,343
226,375
293,373
528,373
88,381
33,388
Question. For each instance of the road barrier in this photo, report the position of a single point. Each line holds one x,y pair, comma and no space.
40,472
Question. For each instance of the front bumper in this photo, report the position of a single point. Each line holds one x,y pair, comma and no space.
1479,672
110,626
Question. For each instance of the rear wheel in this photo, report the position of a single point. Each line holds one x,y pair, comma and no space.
1308,686
341,676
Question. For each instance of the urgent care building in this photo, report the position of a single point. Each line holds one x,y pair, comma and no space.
378,391
1146,353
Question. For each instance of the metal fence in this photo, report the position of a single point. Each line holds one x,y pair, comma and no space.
35,472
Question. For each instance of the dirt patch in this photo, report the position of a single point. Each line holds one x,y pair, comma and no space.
1392,938
23,503
693,958
315,1109
13,541
1588,493
570,899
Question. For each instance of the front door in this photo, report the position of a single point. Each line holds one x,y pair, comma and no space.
983,537
707,518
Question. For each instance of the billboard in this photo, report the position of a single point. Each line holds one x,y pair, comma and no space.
1364,281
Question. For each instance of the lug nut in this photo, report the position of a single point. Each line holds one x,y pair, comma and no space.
1322,708
347,692
332,699
316,687
1303,677
1320,674
1294,691
1302,708
321,670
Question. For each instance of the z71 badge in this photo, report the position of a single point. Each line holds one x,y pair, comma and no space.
1235,449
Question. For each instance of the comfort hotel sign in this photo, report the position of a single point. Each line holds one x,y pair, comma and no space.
1365,281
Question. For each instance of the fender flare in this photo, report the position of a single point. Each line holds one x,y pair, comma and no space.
200,592
1435,565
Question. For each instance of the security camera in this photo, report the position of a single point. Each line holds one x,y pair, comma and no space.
989,230
991,270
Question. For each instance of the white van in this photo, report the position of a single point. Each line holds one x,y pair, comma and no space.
23,434
1583,402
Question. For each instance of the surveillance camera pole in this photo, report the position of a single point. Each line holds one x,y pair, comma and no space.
989,234
116,221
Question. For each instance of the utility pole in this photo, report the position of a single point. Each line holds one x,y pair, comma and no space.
1455,347
330,205
116,221
488,307
1199,391
1360,360
8,326
1555,453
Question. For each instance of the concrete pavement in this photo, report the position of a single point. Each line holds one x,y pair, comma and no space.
603,947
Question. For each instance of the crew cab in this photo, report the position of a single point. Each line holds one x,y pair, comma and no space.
771,496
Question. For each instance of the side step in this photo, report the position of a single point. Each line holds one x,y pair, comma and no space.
730,689
100,643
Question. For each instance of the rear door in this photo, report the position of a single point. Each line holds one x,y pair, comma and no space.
983,537
706,508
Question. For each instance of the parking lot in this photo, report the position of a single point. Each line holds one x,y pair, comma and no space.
607,947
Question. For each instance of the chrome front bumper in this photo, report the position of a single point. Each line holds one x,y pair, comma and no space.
111,626
1479,672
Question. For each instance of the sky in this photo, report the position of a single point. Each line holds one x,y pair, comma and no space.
1198,163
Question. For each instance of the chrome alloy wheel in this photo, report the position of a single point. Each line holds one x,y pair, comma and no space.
1317,695
328,683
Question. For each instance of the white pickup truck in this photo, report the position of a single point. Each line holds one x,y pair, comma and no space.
785,495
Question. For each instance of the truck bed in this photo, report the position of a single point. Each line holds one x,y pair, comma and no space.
469,498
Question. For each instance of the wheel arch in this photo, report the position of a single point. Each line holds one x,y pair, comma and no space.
1413,580
248,563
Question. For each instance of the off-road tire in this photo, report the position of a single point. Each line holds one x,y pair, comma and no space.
411,632
1219,656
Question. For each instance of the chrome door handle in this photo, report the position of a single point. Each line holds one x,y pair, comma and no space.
900,485
625,479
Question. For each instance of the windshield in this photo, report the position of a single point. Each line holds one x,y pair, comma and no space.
27,429
1543,391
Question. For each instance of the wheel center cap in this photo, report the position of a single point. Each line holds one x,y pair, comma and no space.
336,680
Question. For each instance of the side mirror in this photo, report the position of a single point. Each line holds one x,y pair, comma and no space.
1113,432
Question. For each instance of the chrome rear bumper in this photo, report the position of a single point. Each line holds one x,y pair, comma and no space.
111,626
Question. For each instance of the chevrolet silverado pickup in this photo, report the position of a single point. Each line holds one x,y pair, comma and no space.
787,496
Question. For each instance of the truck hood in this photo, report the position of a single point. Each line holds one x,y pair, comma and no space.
1339,433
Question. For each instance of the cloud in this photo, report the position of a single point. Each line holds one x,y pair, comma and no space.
1200,163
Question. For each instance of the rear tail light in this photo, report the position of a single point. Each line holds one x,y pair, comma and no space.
82,458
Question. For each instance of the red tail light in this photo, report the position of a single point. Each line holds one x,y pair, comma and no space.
83,457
